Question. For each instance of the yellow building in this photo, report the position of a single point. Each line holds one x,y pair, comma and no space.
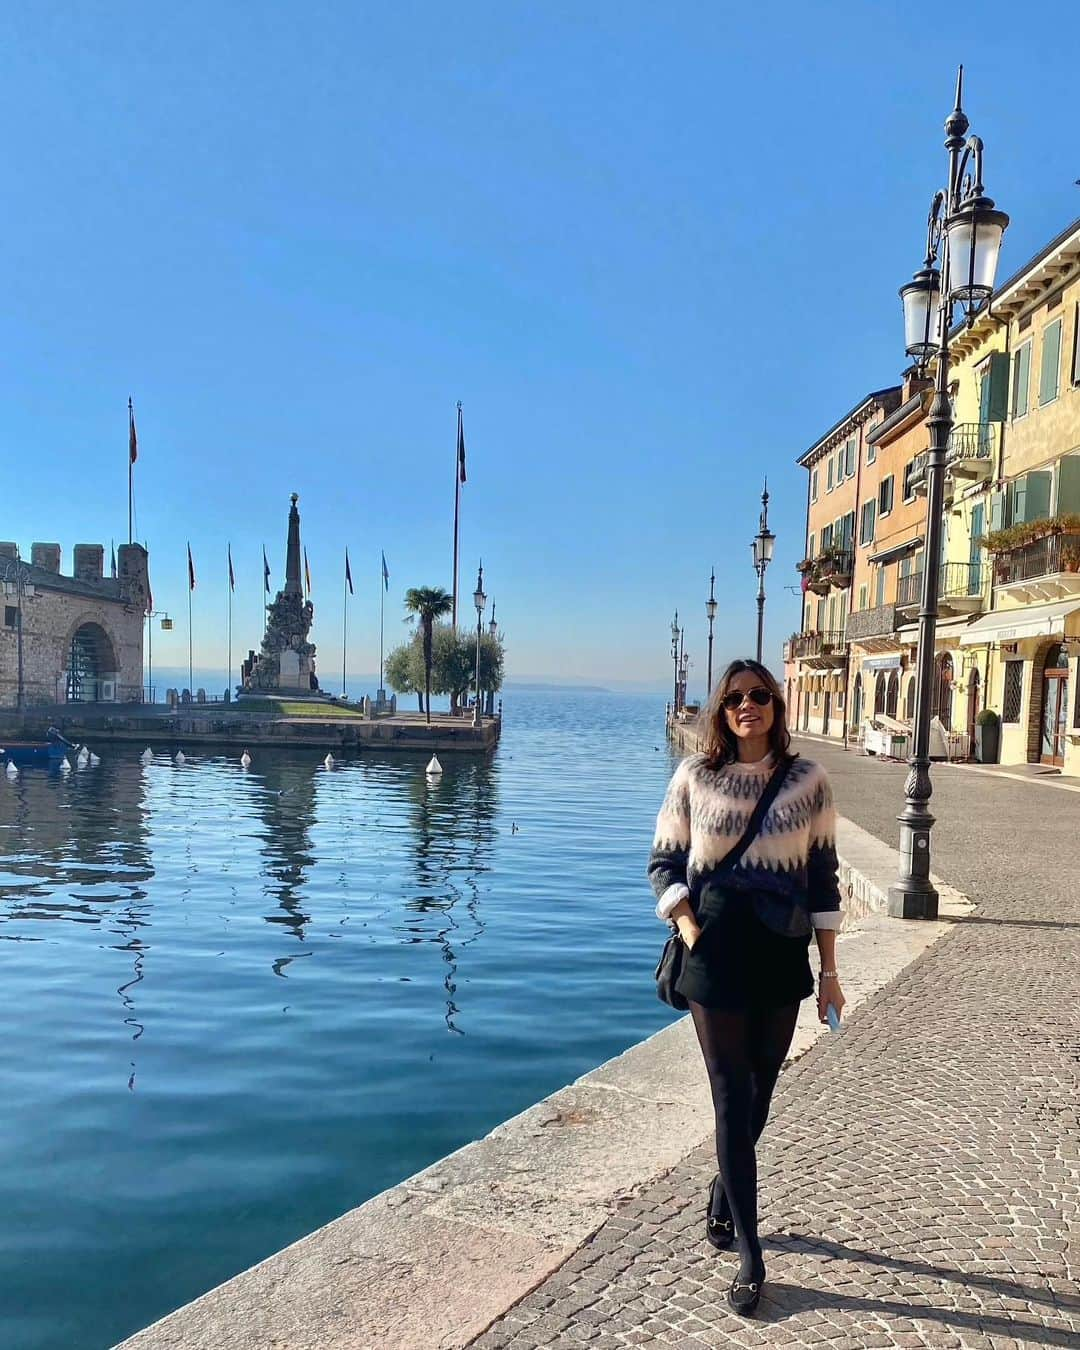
816,658
1021,361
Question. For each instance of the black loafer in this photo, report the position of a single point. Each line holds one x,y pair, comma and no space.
744,1297
719,1232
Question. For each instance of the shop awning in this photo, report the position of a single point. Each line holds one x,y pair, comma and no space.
947,630
1010,625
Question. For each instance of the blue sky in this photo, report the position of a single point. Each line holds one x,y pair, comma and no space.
653,249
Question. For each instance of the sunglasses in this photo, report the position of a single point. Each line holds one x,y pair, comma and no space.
760,696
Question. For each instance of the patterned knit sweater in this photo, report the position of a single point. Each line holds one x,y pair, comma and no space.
703,817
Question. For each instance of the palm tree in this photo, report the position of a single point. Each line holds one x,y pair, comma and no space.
427,603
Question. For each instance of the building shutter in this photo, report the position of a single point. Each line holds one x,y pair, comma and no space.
994,392
1021,379
1069,484
997,510
1050,369
849,463
1030,497
1076,374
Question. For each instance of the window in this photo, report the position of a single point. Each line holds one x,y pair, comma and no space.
829,486
849,457
864,594
885,495
1021,380
813,486
810,550
909,488
871,452
866,522
826,538
11,616
1050,370
880,597
1014,680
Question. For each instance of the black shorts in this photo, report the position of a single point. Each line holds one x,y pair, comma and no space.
739,963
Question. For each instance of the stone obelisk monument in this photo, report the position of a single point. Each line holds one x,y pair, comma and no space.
286,661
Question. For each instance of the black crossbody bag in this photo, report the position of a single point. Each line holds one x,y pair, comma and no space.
669,967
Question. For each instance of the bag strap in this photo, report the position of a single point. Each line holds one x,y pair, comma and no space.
765,801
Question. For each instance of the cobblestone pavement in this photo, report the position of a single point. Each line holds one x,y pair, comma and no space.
920,1174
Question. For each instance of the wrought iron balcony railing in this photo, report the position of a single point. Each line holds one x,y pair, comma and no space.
829,642
957,581
1057,553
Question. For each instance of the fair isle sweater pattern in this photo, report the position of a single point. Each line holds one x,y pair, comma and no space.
704,814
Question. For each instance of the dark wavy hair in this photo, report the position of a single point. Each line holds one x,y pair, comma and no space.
719,744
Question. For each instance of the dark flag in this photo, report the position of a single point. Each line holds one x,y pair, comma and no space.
266,572
190,570
307,573
385,574
133,440
232,575
348,573
113,547
460,446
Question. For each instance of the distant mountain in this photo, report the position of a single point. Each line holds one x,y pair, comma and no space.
550,686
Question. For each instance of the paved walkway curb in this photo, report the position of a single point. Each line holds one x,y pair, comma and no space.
431,1263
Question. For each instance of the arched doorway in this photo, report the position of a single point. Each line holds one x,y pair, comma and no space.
880,689
892,694
909,705
1055,706
943,693
91,665
856,703
974,701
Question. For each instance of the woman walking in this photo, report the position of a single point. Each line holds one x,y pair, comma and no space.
744,864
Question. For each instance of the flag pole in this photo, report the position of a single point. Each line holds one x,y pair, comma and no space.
457,511
190,661
382,625
131,469
228,686
345,623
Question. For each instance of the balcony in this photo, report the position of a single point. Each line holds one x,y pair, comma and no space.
1044,569
967,456
820,651
960,590
831,569
874,629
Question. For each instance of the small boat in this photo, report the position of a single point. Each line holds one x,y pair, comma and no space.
49,751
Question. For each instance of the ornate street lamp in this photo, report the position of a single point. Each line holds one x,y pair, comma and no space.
675,658
763,545
710,612
480,601
963,240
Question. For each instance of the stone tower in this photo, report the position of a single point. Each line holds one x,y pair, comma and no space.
286,661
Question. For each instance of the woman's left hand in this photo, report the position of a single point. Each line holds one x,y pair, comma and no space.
829,991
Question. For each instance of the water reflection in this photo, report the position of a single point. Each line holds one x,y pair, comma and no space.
287,807
453,819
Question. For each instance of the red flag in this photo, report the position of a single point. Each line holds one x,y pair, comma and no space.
348,573
232,576
460,446
190,570
133,440
307,573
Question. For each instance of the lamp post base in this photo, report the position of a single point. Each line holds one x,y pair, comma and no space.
912,900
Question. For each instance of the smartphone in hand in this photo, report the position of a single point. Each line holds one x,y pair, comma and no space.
832,1017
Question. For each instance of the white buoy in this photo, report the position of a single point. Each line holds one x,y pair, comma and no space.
181,758
146,756
328,762
245,760
94,760
12,769
64,766
83,757
434,768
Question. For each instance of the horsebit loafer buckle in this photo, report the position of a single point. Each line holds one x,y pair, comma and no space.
739,1285
719,1223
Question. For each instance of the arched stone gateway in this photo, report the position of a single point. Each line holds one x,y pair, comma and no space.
92,666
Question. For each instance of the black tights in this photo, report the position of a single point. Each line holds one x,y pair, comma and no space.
743,1053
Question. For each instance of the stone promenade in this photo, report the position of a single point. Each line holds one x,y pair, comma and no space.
920,1174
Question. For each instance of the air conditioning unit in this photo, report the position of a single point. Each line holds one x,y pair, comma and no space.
107,691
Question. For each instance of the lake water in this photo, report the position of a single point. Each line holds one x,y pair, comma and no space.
238,1004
